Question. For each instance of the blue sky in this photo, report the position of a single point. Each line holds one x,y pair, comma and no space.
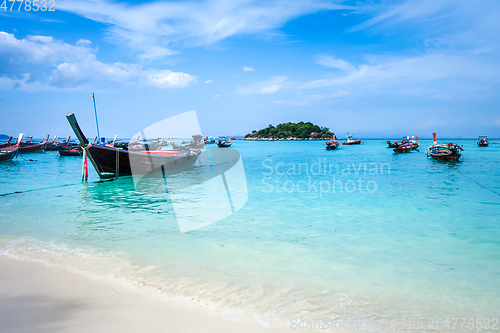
374,68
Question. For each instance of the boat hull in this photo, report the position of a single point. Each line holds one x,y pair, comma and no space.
483,144
7,154
31,148
448,156
403,150
223,145
111,162
356,142
71,152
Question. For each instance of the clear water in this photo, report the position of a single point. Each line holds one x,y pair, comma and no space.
402,237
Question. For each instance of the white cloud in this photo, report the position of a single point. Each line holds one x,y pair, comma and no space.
209,81
43,63
217,96
192,23
248,69
265,87
334,63
169,79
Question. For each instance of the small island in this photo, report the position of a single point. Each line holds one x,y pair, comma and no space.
291,131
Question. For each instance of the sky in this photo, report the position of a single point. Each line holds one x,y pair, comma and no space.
378,69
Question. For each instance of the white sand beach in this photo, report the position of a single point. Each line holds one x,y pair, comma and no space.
35,297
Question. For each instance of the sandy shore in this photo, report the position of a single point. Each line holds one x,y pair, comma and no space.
35,297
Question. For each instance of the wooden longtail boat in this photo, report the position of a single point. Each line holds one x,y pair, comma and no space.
404,147
224,144
8,153
482,141
52,146
332,145
445,152
71,150
28,147
6,144
351,141
111,162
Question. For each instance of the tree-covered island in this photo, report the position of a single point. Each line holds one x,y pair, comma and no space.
291,131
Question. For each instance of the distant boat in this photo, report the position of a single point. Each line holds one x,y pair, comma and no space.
111,162
209,140
482,141
445,152
404,147
52,146
224,144
351,141
71,150
332,145
8,153
28,146
6,144
392,144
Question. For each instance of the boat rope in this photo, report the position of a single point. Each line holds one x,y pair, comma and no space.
52,187
475,181
29,160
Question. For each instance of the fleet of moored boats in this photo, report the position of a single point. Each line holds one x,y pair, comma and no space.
446,152
118,158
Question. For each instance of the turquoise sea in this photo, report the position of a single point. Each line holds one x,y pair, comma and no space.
354,235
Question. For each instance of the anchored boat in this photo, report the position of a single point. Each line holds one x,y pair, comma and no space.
351,141
445,152
482,141
111,162
8,153
332,145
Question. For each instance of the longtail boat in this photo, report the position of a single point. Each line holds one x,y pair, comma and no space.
6,144
71,150
8,153
28,147
445,152
332,145
482,141
351,141
224,144
110,162
404,147
52,146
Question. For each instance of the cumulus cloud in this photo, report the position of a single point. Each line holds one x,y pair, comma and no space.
169,79
248,69
209,81
43,63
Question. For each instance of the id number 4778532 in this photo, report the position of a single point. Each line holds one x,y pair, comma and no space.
28,5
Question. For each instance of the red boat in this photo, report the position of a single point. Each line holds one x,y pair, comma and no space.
28,147
482,141
351,141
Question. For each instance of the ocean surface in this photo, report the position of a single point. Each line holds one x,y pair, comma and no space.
357,235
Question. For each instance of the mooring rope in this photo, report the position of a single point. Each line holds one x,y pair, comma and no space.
52,187
475,181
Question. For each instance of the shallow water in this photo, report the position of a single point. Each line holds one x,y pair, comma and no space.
354,234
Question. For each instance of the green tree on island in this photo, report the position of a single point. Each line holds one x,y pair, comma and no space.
292,130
